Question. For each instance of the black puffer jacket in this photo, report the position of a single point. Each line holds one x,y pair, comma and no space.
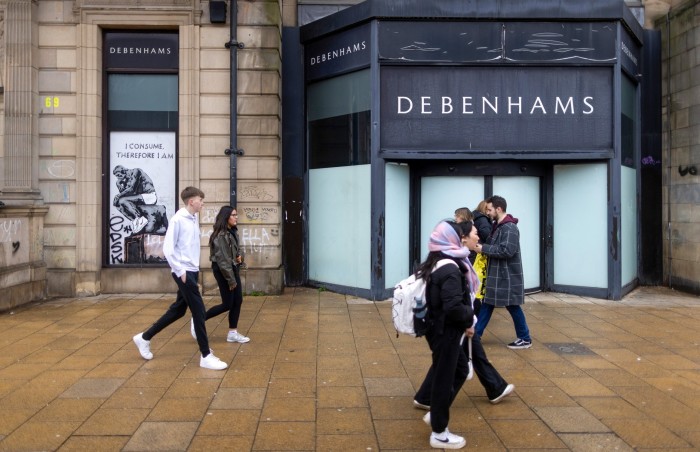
483,225
448,299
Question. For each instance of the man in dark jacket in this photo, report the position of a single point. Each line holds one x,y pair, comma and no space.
504,277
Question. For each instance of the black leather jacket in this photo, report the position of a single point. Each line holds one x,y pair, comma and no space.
223,251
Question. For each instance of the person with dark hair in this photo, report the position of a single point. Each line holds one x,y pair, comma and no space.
226,258
504,273
181,249
496,387
447,274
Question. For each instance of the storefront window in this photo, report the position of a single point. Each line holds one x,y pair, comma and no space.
580,221
440,197
628,193
398,221
140,145
338,127
523,196
143,101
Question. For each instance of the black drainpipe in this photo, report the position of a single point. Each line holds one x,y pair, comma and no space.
669,146
233,151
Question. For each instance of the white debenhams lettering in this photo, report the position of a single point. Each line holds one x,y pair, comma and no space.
399,110
338,53
519,103
140,50
485,101
424,102
569,103
467,102
627,52
490,105
538,104
446,103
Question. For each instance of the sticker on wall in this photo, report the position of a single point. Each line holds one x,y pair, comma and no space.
142,191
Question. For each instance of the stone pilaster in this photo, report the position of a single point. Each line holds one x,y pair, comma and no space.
20,182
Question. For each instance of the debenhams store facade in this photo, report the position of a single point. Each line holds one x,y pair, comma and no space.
400,113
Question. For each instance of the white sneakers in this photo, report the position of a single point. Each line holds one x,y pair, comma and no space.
235,336
144,346
212,362
447,440
444,440
208,362
505,392
421,406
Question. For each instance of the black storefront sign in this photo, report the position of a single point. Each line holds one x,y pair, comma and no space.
337,54
629,54
504,109
498,42
141,50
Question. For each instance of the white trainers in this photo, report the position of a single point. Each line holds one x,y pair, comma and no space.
426,418
422,406
144,346
446,440
235,336
505,392
194,335
212,362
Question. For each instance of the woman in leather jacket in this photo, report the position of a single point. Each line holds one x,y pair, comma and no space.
226,257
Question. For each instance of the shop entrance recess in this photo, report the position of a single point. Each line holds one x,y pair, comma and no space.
439,195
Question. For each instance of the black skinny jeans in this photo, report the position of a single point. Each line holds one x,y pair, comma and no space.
488,376
187,296
231,300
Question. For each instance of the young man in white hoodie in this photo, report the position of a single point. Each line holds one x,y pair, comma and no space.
181,248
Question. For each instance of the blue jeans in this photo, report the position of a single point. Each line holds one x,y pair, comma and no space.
516,312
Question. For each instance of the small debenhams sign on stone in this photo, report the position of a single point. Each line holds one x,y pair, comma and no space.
141,50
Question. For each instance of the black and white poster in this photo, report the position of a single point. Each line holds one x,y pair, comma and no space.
142,194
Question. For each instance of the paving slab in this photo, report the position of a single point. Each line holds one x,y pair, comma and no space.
324,371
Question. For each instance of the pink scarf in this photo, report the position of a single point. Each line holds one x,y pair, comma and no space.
445,239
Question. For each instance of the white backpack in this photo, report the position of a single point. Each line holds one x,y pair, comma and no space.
409,301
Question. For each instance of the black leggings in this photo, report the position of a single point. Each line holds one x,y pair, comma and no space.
231,300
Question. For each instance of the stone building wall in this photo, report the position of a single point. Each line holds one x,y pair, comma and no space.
681,144
67,56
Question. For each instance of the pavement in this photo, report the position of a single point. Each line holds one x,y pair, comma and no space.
326,372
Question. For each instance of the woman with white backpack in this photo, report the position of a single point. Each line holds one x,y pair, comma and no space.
447,274
450,297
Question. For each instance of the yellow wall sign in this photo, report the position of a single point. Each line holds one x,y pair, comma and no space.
51,102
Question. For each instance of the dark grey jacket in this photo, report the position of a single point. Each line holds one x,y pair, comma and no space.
504,274
223,251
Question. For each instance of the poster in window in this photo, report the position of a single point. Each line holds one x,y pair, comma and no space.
142,194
